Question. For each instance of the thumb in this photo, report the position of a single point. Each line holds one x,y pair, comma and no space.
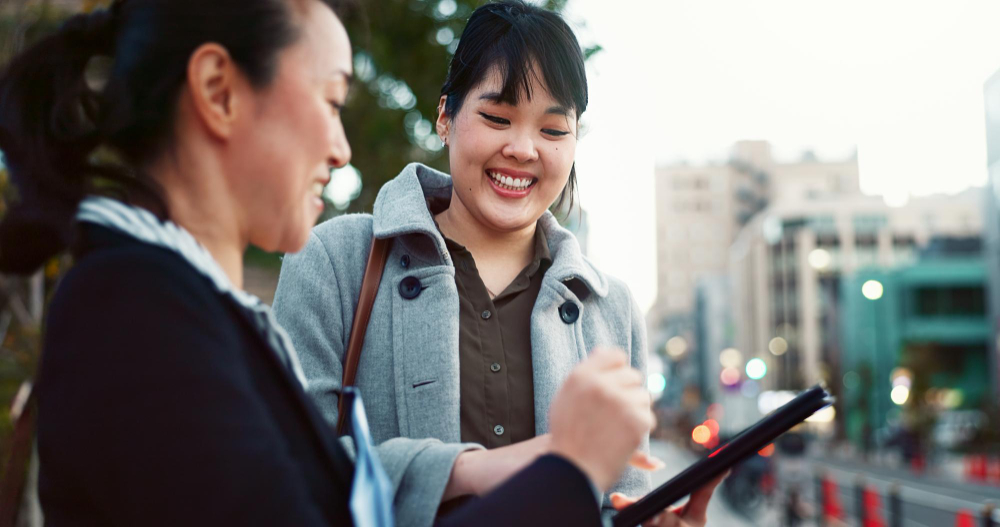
619,501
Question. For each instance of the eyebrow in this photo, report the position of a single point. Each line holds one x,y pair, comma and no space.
494,97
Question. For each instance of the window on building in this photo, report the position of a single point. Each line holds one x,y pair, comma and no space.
823,225
938,301
866,240
903,241
869,223
827,241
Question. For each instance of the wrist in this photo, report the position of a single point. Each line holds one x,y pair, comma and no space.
598,477
463,480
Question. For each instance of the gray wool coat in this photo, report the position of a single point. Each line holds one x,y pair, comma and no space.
408,372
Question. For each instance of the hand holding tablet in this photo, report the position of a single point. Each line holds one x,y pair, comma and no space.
696,479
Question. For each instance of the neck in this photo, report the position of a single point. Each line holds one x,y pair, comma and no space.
198,200
491,248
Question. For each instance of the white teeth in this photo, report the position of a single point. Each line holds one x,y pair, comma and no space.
509,183
317,189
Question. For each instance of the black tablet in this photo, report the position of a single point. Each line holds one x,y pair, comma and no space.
747,443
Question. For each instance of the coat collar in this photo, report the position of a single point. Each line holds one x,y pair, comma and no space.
401,209
143,226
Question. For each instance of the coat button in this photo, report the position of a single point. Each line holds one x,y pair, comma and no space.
409,288
404,261
486,314
569,312
498,430
495,367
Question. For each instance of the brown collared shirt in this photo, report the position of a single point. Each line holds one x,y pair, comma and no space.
497,391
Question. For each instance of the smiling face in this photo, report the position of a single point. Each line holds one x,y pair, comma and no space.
292,135
509,162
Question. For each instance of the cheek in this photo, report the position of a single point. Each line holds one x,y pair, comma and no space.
559,161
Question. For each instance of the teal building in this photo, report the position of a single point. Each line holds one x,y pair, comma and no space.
929,318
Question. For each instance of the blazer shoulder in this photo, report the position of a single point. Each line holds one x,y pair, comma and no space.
136,271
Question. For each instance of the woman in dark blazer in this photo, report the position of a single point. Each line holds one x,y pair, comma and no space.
167,395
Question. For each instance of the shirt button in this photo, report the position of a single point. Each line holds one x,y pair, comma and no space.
486,314
495,367
498,430
404,261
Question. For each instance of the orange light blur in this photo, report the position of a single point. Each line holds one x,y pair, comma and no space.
712,443
715,411
701,434
767,451
713,426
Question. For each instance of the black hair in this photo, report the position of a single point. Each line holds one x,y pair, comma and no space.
63,139
515,38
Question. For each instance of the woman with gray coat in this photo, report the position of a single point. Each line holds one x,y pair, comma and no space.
486,303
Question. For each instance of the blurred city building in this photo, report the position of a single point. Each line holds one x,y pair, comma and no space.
787,265
991,223
700,213
915,335
701,209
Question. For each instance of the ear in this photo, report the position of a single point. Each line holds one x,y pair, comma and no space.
213,82
443,121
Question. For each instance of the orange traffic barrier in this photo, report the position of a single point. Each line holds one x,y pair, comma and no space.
831,501
873,508
975,467
965,519
993,470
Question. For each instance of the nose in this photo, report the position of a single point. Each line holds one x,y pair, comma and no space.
520,147
340,149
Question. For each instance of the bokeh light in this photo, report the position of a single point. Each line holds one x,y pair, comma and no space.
778,346
730,376
900,394
701,434
730,358
872,290
676,347
656,383
756,369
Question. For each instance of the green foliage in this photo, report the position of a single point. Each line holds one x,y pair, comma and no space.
400,64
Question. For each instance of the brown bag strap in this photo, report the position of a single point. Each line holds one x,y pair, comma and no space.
12,484
362,314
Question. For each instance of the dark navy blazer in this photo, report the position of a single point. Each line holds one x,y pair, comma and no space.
159,404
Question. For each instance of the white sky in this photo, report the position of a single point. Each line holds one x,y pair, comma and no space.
901,81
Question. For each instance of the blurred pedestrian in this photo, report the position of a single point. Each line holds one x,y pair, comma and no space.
486,302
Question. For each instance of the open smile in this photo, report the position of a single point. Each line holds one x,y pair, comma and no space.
511,186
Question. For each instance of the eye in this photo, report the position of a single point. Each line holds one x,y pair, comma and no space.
337,106
554,133
494,119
